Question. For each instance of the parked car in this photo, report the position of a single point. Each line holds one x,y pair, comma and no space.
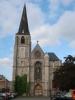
4,96
68,95
1,98
62,96
73,94
59,97
12,95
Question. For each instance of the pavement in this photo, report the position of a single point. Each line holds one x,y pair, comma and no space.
32,98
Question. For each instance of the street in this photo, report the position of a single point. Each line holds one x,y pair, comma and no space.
32,98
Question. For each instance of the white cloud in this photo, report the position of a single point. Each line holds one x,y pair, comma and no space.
67,27
54,7
5,62
35,1
47,35
67,2
64,29
10,16
72,44
35,16
58,7
55,3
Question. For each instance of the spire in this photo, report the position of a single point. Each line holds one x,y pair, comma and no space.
23,28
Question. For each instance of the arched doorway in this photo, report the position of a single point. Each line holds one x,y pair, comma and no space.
38,90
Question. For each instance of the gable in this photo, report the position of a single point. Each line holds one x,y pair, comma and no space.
37,52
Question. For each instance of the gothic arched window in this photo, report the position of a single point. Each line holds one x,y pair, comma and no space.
22,40
38,71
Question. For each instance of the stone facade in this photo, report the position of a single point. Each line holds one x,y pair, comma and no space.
36,64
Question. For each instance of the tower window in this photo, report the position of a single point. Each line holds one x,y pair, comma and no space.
22,40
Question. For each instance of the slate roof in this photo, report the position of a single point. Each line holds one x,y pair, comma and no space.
37,47
23,28
53,57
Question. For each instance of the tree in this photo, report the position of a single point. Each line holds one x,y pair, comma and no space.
17,84
20,84
28,88
24,83
69,59
65,76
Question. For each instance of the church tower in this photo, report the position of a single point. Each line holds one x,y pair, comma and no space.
22,48
36,64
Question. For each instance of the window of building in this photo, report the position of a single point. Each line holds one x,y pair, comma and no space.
22,40
38,71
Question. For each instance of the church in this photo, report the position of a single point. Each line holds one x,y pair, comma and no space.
35,63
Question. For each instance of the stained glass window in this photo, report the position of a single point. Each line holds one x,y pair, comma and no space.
38,71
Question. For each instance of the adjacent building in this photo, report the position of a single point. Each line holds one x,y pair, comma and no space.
4,83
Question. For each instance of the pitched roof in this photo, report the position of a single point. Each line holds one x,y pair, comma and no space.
37,47
53,57
23,28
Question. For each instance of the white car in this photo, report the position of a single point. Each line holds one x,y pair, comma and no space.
68,95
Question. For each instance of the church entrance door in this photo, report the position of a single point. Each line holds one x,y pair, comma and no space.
38,90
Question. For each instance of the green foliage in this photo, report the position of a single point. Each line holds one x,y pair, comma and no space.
64,78
20,84
24,83
28,88
16,85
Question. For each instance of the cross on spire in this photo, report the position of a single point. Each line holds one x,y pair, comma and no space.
37,42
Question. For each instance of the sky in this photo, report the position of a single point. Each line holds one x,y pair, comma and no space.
51,22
